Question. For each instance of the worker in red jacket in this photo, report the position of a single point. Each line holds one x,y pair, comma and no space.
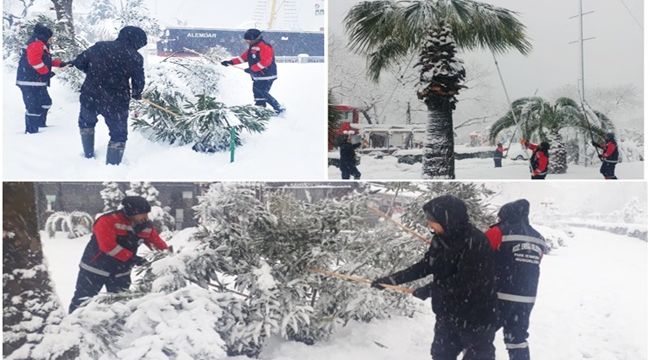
111,251
539,159
261,67
609,157
498,154
519,251
33,77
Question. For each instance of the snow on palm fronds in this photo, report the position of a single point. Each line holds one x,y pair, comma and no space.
75,223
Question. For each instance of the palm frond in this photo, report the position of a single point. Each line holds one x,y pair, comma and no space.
480,25
504,122
386,54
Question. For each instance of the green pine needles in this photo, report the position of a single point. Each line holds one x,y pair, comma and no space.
204,123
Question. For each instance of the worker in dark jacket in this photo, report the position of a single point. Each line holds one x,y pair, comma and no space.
609,157
519,250
111,252
539,160
261,67
348,157
33,77
498,154
114,74
463,294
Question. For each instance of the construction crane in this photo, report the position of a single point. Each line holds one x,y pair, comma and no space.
274,9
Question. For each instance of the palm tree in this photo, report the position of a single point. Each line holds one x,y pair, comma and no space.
391,32
543,120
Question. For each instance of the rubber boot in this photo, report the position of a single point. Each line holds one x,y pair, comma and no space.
43,119
88,141
114,152
31,123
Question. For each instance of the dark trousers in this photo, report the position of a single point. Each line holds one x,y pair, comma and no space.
538,177
350,169
37,103
515,317
115,113
89,284
453,337
262,96
497,162
607,169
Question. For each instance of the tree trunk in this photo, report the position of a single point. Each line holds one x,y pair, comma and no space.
557,153
29,302
438,159
63,9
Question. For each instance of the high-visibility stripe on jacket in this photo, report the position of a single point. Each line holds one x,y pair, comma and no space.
261,60
114,243
35,64
520,249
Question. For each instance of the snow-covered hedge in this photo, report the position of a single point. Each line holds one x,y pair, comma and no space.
75,223
555,237
631,230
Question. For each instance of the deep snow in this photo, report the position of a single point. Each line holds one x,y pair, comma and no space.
389,169
290,148
592,304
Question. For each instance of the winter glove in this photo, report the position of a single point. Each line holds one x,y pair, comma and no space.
423,293
227,63
248,71
139,260
383,280
141,226
136,96
595,143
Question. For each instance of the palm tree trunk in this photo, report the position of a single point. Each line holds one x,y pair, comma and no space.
557,153
438,159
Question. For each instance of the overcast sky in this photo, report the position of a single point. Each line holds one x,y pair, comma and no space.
615,57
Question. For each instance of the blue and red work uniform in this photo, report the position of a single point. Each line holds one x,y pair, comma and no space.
263,70
110,254
498,155
609,158
519,251
33,78
538,161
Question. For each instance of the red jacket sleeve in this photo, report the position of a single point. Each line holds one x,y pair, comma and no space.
542,162
266,58
494,236
155,240
104,231
531,146
241,58
35,56
609,149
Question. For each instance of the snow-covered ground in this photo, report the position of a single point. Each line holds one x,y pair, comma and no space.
290,148
592,304
388,168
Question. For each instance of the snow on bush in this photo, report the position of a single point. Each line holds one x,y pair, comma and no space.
184,324
555,237
75,223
